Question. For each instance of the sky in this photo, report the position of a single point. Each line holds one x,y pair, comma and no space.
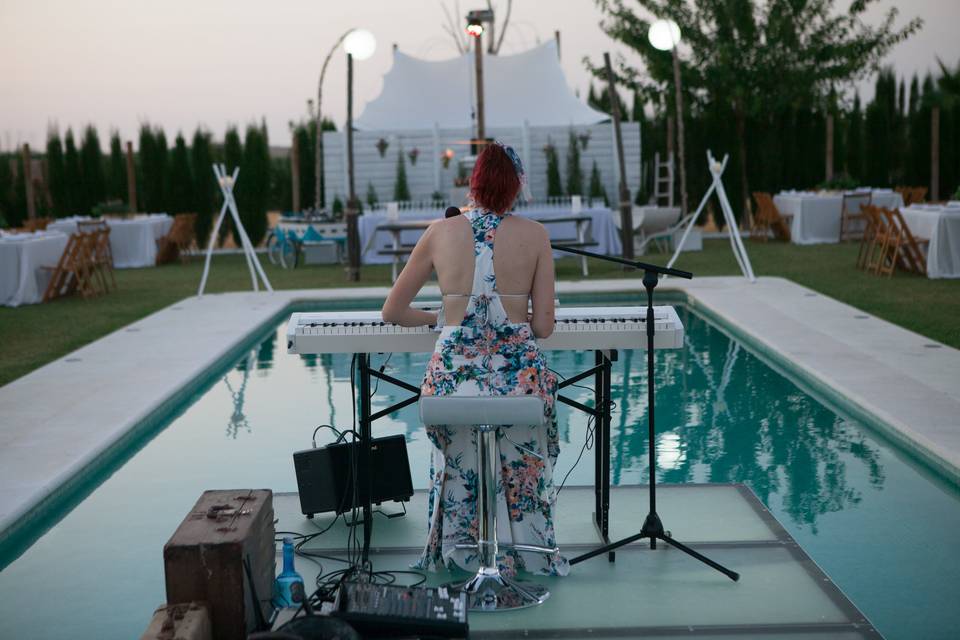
183,63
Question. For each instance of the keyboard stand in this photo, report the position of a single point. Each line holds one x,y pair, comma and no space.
601,372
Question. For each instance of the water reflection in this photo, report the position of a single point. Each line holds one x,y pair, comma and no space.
722,416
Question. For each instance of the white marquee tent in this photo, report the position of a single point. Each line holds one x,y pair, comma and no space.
426,107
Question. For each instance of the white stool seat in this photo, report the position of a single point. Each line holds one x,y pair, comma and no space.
513,411
488,590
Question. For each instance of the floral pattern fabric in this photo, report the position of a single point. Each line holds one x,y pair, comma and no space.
489,355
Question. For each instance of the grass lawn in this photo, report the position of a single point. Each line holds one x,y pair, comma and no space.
33,335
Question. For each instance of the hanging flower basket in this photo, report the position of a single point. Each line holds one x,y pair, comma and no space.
382,146
446,157
413,154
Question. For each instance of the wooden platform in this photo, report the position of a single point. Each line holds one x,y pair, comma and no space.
646,593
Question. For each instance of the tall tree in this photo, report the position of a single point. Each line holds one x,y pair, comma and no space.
854,160
6,191
401,191
73,176
181,180
204,185
554,183
306,139
754,57
232,157
91,166
56,176
117,171
254,185
574,172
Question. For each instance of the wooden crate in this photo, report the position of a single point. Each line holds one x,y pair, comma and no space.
189,621
203,560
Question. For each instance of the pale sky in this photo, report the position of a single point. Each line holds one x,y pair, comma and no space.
180,63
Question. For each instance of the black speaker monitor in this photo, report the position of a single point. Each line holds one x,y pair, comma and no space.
324,475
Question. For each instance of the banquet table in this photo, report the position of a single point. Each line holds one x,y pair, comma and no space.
22,281
816,215
604,233
133,241
941,225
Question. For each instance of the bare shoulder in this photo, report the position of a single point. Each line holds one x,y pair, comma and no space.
530,228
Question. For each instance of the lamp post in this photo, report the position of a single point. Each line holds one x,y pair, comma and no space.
475,20
359,44
318,165
665,35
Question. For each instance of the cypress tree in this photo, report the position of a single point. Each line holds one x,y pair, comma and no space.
401,192
56,177
592,97
372,199
6,192
306,141
204,185
232,157
146,157
18,212
254,185
597,190
117,173
161,184
636,115
854,145
181,181
554,184
73,176
574,172
91,167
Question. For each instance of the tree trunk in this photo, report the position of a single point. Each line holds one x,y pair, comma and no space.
742,150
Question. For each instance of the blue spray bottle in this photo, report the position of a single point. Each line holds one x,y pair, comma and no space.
288,590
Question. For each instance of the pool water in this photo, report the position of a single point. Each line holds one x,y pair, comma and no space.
880,524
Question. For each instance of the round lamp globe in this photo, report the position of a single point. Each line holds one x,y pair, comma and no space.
360,44
664,34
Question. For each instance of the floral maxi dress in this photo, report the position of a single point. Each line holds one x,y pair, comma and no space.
489,355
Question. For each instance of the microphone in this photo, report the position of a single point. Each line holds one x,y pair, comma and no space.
451,212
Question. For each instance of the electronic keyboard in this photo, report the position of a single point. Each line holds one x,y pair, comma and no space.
577,329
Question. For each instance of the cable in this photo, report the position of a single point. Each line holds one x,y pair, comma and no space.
587,444
324,426
382,369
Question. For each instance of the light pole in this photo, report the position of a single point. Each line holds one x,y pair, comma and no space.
475,20
318,165
359,44
665,35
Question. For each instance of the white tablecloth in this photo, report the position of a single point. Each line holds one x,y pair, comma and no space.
602,230
941,225
133,242
816,216
21,256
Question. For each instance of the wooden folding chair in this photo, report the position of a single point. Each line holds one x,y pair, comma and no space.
885,261
179,239
768,219
74,270
874,232
853,221
915,249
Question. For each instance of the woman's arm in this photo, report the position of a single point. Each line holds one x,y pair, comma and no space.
542,293
396,308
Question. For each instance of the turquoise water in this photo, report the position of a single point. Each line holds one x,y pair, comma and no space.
881,525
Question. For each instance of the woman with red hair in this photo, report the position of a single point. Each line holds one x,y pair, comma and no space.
490,266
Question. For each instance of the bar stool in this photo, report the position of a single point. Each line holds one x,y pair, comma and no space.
488,589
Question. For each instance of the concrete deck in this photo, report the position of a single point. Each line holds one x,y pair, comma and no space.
58,420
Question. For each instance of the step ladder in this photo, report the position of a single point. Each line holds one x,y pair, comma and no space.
663,173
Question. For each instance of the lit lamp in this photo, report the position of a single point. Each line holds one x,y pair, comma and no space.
665,35
359,44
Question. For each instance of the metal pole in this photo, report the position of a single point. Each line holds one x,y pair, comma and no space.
680,149
295,172
353,238
626,213
318,175
131,179
481,129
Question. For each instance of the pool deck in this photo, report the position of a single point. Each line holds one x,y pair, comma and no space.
57,420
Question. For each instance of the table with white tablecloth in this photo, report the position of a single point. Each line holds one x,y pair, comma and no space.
133,241
816,215
22,280
940,224
602,230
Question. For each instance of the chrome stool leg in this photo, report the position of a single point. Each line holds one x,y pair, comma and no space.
488,589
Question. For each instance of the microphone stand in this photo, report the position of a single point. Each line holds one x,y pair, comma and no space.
652,526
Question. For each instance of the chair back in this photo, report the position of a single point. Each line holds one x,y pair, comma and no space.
853,202
91,226
514,411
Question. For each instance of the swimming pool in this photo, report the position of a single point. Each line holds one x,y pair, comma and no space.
850,498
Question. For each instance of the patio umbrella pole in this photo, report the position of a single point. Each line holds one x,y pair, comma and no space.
652,526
